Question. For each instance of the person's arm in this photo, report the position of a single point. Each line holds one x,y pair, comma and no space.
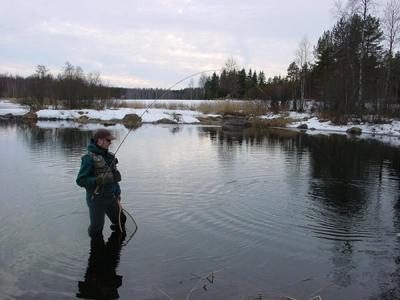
118,189
86,176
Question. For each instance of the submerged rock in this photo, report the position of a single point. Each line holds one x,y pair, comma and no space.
131,120
354,130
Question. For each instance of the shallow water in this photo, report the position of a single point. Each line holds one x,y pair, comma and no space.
269,212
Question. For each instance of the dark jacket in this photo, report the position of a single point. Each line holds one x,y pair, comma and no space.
86,177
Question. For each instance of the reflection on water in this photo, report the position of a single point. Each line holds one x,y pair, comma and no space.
101,279
270,208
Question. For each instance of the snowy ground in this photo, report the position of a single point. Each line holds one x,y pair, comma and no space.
7,107
152,115
385,132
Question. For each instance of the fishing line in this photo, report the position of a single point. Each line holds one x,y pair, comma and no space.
126,136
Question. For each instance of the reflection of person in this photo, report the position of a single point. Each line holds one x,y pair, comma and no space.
101,280
99,175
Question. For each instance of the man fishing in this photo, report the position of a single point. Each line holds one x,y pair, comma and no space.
99,176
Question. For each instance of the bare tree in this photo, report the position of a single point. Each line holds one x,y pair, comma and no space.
391,24
39,85
363,8
191,87
41,71
228,79
391,27
303,58
230,65
202,80
341,10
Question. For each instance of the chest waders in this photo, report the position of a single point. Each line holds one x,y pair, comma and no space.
101,168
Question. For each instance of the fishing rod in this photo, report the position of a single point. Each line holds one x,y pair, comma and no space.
96,191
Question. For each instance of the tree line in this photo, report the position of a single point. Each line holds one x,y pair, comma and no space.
158,93
71,88
356,68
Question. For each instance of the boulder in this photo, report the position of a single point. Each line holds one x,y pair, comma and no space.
209,120
235,122
131,120
303,126
8,116
108,123
354,130
165,121
82,119
234,114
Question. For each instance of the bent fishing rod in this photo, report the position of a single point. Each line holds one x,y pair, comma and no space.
96,191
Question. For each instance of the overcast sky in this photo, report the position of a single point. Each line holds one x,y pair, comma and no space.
135,43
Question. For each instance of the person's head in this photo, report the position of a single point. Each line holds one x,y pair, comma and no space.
103,138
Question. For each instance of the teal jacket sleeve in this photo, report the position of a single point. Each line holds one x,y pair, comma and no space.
86,176
118,189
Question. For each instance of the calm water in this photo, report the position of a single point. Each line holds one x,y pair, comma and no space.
268,212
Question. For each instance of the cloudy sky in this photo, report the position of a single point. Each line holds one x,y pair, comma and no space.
137,43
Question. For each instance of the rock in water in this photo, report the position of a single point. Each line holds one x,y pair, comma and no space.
165,121
354,130
302,126
131,120
235,122
82,119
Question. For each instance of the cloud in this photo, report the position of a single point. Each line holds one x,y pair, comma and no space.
125,81
154,43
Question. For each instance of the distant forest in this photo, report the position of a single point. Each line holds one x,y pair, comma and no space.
353,69
72,88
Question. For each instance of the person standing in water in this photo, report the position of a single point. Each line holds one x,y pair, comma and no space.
100,177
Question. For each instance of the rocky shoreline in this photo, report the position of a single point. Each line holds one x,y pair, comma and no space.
237,121
133,120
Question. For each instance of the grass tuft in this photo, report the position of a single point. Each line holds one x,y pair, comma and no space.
278,122
245,108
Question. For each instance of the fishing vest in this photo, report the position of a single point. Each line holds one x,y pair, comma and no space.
101,167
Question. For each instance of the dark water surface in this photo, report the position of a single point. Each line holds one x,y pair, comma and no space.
268,212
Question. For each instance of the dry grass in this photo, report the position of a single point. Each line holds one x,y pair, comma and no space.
334,118
249,108
245,108
278,122
161,105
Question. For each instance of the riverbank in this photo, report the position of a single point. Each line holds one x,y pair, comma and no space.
113,116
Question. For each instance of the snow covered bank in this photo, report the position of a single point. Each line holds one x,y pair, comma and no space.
314,123
7,107
149,116
153,115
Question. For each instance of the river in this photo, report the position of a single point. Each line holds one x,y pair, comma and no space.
253,214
